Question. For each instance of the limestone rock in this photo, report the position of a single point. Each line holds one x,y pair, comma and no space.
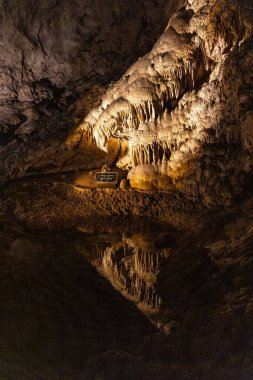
146,177
123,184
186,100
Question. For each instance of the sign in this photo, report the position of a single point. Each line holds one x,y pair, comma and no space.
106,178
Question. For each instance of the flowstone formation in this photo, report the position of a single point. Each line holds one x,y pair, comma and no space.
183,112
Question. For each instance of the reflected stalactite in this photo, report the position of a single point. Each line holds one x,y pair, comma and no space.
132,269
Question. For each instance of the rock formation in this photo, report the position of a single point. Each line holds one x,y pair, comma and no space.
185,108
182,112
132,265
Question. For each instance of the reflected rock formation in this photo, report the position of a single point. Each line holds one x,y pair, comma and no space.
132,265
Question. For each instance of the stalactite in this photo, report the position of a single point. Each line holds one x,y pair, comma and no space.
122,114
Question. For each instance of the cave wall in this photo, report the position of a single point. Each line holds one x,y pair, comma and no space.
62,41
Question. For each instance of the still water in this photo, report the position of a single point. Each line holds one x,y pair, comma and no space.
80,305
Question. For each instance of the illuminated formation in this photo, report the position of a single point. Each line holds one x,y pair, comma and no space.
179,103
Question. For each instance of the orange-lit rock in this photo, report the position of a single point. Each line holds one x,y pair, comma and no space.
148,177
185,102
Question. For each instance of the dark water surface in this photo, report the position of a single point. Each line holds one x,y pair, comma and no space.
129,300
69,298
124,301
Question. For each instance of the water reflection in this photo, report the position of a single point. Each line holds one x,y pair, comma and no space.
57,313
128,300
132,265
